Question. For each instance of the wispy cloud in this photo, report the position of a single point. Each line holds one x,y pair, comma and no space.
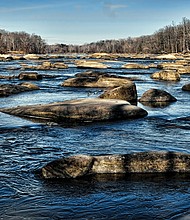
28,8
113,7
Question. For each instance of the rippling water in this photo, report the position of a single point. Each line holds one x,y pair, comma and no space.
26,146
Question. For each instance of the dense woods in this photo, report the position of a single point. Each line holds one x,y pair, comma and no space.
21,41
169,39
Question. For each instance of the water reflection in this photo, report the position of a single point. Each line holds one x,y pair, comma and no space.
157,104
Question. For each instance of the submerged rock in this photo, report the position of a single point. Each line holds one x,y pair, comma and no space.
85,110
144,162
157,98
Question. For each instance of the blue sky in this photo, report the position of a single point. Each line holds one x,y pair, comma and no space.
85,21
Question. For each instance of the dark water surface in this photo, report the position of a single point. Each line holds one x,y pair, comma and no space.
26,146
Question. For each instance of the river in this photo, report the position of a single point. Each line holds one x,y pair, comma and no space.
26,146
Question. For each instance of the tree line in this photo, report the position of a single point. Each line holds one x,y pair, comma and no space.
169,39
21,42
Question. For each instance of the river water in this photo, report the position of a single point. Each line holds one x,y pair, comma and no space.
26,146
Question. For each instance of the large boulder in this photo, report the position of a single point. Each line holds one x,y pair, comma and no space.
85,110
29,76
179,67
139,163
96,80
157,98
166,75
127,92
9,89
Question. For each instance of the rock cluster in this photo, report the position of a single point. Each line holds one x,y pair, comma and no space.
46,66
144,162
96,80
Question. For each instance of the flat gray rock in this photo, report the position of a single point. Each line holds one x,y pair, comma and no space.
85,110
141,163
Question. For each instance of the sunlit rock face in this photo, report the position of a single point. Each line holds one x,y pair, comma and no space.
166,75
135,66
144,162
91,64
81,110
126,92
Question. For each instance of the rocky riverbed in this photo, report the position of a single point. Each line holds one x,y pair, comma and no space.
27,145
